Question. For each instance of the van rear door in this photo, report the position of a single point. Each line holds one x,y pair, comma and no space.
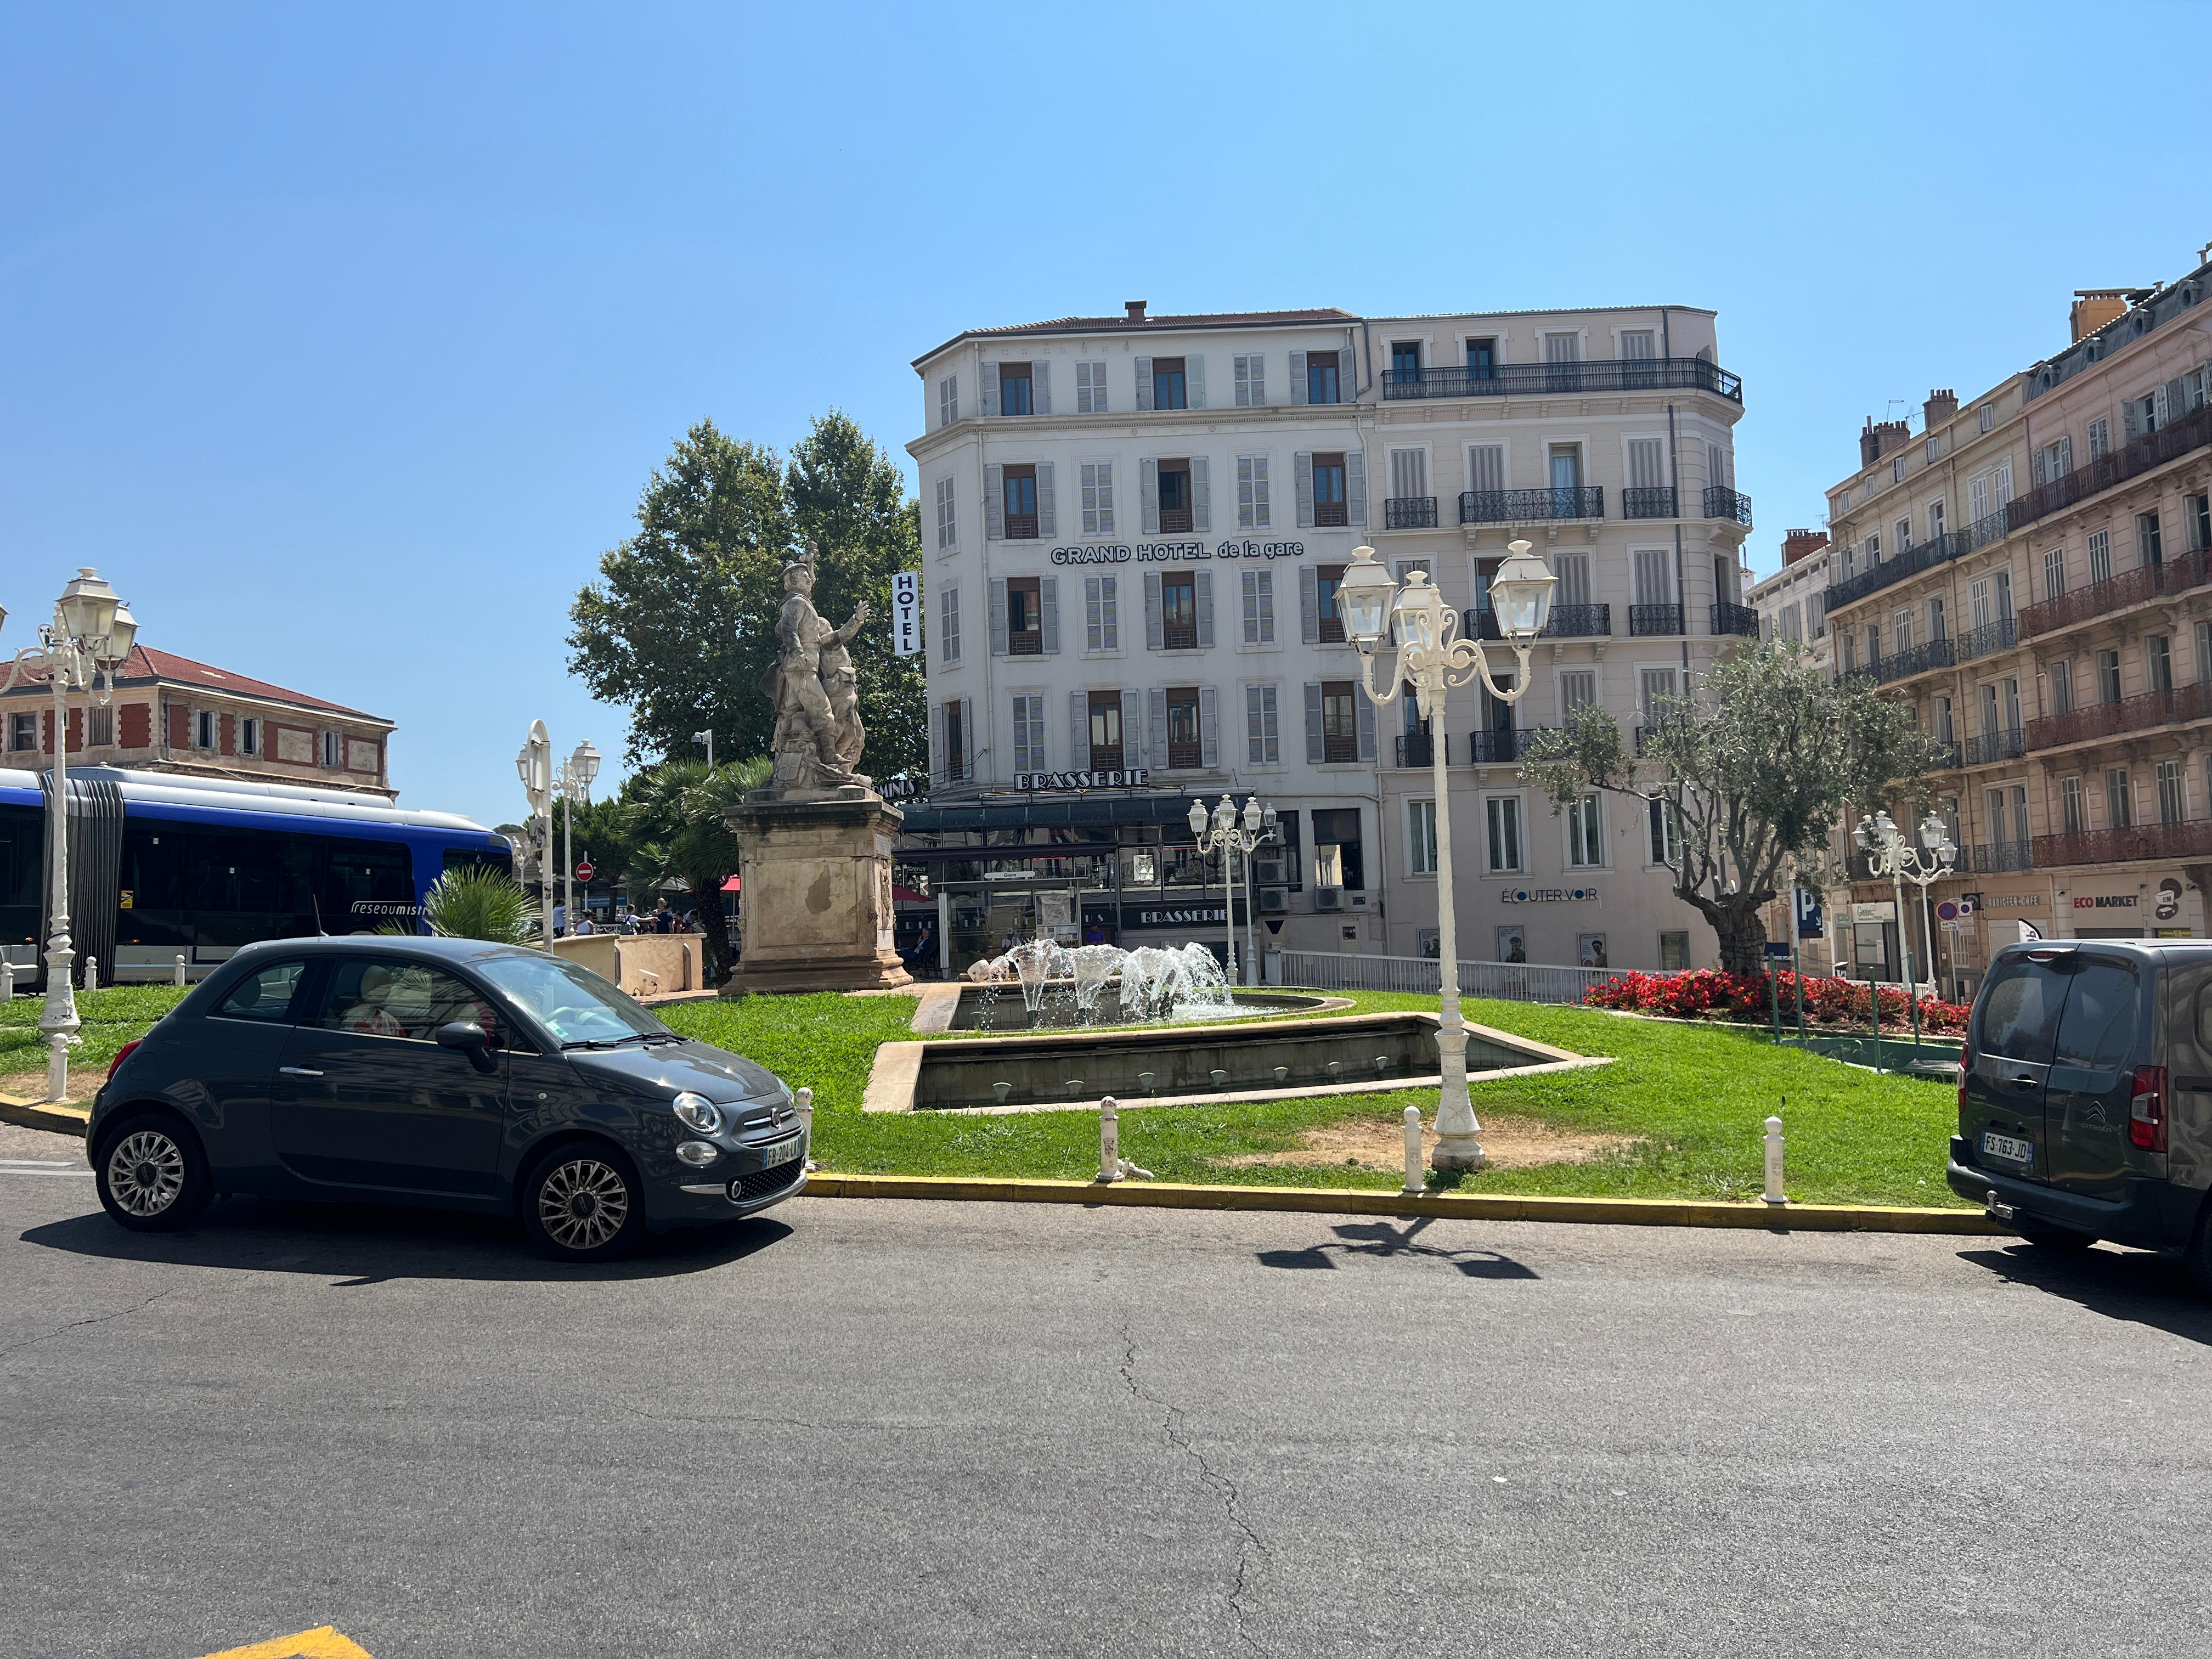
2014,1033
2103,1035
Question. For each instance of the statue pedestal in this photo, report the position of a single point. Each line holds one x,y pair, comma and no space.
816,892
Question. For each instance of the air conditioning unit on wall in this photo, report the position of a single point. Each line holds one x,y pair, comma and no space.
1274,902
1270,872
1328,898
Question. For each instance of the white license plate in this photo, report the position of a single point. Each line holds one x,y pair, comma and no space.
782,1152
2011,1147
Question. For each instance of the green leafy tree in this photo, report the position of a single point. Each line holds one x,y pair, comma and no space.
602,829
680,626
677,814
1752,770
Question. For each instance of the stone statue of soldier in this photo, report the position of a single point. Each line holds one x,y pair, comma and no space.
817,741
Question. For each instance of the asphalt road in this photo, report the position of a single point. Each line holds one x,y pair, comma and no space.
864,1427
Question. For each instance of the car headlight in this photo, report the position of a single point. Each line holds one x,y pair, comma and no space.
699,1113
697,1153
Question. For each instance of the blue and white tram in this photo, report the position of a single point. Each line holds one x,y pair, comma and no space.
162,866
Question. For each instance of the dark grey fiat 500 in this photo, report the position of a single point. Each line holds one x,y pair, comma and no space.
440,1073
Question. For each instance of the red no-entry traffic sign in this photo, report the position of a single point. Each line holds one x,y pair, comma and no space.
584,870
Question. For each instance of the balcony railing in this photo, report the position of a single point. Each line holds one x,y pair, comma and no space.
1184,757
1659,619
1024,642
1529,506
1500,747
1179,636
1902,665
1331,515
1174,521
1021,526
1336,750
1911,560
1520,380
1727,505
1648,501
1987,747
1947,755
2114,592
1410,513
2191,431
1566,622
2190,839
1418,749
1728,618
1998,858
2136,714
2000,636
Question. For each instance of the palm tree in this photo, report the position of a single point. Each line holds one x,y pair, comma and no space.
675,813
479,901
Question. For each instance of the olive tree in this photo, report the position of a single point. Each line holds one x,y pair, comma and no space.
1751,769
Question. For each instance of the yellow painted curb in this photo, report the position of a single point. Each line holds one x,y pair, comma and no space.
1484,1206
32,1114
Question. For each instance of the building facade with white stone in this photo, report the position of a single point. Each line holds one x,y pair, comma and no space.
1133,527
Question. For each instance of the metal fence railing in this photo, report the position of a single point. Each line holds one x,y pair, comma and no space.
1511,981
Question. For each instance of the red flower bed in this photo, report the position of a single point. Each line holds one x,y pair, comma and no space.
1716,994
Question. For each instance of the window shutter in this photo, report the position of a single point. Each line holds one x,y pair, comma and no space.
1144,382
1078,731
1262,513
1083,388
2131,421
1201,496
1148,484
2039,467
1314,750
994,501
1111,610
1156,727
1094,637
1105,497
1049,602
1366,716
1250,584
1245,508
1259,379
936,740
1133,730
2066,455
1194,380
1717,466
990,388
1155,617
1355,486
1485,466
1267,607
1098,404
1305,489
1203,581
1241,365
1309,605
1209,726
1048,519
967,738
1254,729
998,616
1041,386
1297,377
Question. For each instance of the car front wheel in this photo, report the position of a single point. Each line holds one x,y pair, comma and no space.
582,1203
152,1175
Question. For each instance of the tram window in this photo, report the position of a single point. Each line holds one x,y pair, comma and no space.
480,858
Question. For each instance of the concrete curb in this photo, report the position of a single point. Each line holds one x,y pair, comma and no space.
1498,1206
32,1114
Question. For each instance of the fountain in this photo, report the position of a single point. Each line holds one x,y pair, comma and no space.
1063,985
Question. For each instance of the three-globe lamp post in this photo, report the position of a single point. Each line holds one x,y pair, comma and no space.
533,764
88,642
1258,827
1432,663
1889,853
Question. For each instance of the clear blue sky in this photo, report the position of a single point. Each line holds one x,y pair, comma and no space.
344,339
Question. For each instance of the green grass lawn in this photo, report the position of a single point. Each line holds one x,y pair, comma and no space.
1693,1099
112,1018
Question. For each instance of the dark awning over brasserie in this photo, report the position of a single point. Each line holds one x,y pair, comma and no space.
1046,812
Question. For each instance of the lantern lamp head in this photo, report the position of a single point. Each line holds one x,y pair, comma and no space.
1197,818
1521,592
1362,597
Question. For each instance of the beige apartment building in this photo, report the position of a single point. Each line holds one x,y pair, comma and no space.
2032,571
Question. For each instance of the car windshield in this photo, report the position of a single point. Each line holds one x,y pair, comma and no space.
576,1005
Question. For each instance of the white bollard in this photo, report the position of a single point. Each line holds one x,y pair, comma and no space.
1416,1165
177,971
1110,1140
92,973
7,980
803,1100
1774,1194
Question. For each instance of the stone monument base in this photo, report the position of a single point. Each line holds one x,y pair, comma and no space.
816,892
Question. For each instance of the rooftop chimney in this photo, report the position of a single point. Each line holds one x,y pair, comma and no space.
2094,307
1799,543
1135,308
1879,437
1939,407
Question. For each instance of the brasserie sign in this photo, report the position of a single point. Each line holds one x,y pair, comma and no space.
1174,552
1127,778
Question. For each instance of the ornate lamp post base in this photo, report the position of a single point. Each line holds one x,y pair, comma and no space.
1459,1144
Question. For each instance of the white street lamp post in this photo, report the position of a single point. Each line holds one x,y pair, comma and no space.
582,766
1888,853
707,737
533,764
89,638
1258,826
1431,660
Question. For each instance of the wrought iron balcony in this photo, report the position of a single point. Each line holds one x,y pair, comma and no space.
1727,505
1998,858
1331,515
1566,622
1986,748
1947,755
1174,521
1655,619
2154,449
1648,503
1500,747
1522,380
2189,839
1735,619
1021,527
1989,636
1418,749
1902,664
2100,599
1410,513
1529,506
1024,642
1911,560
2136,713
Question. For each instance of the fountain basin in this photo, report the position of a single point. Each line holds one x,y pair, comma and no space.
995,1008
958,1075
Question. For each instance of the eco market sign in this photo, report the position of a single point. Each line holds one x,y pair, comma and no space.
1173,552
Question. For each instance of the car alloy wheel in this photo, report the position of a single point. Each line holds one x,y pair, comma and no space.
146,1172
583,1203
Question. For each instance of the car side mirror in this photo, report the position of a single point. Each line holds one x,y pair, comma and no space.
469,1038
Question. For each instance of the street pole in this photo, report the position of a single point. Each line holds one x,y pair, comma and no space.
58,1018
1905,947
568,850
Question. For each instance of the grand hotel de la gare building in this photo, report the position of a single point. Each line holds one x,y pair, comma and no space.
1133,531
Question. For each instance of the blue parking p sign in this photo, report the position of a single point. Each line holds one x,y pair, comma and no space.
1807,906
1777,949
